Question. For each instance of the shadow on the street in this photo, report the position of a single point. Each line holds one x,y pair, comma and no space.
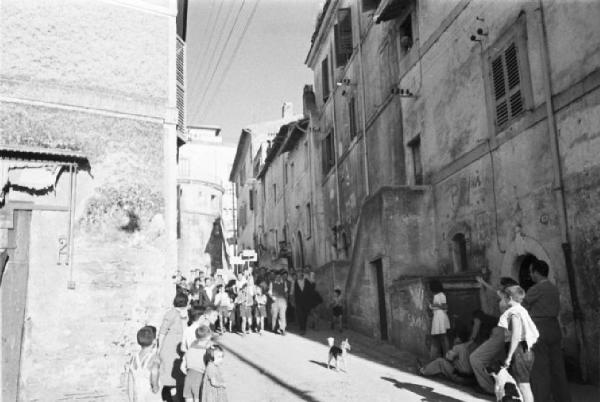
304,395
324,365
427,393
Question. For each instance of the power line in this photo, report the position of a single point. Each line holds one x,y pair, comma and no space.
236,49
216,66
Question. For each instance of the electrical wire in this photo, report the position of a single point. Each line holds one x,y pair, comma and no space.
235,51
223,48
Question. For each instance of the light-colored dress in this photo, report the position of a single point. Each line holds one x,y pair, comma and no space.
440,323
210,393
172,327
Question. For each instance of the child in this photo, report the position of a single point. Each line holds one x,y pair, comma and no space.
440,323
261,308
245,300
213,386
193,364
222,303
337,310
142,378
520,334
189,333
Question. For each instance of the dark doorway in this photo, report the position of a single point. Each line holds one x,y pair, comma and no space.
524,262
383,327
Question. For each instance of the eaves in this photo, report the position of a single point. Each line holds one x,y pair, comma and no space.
323,31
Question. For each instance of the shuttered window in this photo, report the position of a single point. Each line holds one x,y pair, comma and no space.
506,82
325,79
343,37
180,93
328,155
352,117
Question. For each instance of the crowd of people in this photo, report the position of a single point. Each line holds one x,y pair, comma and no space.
181,360
525,338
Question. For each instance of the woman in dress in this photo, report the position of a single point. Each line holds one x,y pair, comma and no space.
440,323
169,343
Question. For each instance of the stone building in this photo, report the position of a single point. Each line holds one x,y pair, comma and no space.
204,165
251,152
458,138
92,113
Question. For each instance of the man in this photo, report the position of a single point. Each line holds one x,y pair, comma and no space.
455,365
548,377
278,292
302,296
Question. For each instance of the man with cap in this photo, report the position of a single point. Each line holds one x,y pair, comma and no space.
278,292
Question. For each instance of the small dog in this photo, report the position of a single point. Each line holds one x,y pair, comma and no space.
505,388
338,352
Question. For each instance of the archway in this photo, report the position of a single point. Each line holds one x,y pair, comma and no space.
522,246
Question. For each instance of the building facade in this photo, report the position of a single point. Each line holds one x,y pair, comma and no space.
457,140
205,202
91,115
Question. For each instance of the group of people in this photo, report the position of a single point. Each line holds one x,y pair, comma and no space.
181,360
525,338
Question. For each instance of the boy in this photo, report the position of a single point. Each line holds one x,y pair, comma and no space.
337,310
142,378
193,364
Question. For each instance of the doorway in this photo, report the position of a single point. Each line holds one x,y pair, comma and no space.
522,264
383,326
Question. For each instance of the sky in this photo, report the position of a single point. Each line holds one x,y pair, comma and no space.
251,83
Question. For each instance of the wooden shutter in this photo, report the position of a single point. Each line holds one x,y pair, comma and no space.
325,79
352,117
506,81
180,77
343,37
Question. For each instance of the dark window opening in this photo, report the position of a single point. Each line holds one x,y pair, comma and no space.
406,34
251,199
459,251
352,117
343,37
369,5
308,220
415,150
325,79
328,151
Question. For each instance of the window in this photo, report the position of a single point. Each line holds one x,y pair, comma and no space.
308,220
369,5
251,199
285,173
405,33
325,79
352,116
328,153
459,252
415,151
274,192
292,172
343,37
306,155
242,175
509,88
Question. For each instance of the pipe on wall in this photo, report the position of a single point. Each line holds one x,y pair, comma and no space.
558,189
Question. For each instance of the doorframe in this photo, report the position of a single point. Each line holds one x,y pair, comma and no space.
385,264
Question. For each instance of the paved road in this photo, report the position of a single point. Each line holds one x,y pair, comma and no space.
292,368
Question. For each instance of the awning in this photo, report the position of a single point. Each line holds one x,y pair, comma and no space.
390,9
28,153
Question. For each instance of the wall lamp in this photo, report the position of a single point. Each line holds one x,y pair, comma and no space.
402,92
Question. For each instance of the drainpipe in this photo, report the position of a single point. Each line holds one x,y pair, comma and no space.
337,176
72,197
363,103
559,191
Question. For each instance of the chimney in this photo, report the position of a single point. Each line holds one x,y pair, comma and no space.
309,102
287,110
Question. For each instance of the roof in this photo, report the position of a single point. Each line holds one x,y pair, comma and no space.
295,134
24,152
317,34
239,152
288,136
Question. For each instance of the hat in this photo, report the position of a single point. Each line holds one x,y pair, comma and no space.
203,332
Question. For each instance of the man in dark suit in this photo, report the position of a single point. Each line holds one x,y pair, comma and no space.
302,295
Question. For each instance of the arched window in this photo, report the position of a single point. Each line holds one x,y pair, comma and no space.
459,252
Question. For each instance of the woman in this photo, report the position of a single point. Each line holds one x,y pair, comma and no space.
169,341
521,334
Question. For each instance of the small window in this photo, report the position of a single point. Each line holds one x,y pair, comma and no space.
274,192
459,252
285,173
415,151
328,150
352,117
343,37
325,79
405,34
251,199
308,220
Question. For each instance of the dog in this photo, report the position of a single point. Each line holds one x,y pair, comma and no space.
505,387
338,353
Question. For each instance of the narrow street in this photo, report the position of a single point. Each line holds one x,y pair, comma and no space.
293,368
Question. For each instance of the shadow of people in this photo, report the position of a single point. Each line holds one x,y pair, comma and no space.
427,393
324,365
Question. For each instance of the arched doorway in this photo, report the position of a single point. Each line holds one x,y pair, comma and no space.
522,264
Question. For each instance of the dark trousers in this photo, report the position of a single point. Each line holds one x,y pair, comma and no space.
301,316
548,376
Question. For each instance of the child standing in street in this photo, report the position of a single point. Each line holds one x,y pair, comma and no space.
245,299
222,303
440,323
261,309
142,377
337,310
213,385
193,365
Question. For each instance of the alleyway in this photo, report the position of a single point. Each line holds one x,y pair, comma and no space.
292,368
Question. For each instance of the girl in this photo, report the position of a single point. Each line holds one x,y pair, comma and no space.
440,323
337,310
521,335
261,308
213,385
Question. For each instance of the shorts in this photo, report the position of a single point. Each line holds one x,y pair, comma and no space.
193,382
223,310
522,362
245,311
337,311
261,310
